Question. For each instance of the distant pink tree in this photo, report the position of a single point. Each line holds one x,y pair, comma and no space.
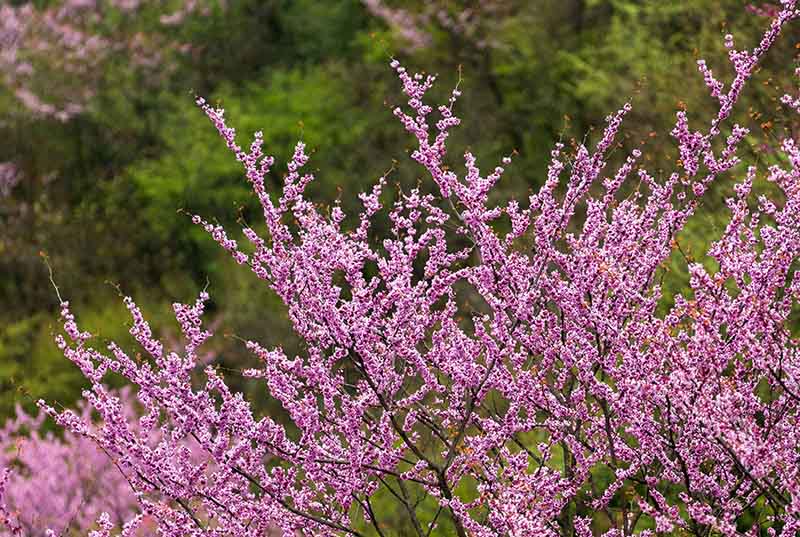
59,483
472,22
495,369
765,9
64,484
53,59
9,177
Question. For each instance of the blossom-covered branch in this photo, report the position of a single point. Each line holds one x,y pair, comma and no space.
555,401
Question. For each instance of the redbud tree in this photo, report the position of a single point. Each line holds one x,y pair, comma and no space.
63,483
489,379
75,42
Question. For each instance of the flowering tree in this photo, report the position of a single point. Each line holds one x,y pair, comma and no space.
74,41
59,483
56,58
472,22
555,401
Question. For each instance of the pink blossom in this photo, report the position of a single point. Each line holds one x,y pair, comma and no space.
10,176
556,386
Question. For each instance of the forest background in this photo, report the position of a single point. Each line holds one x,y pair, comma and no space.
103,148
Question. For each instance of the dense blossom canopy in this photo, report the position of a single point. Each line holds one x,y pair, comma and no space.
519,381
61,482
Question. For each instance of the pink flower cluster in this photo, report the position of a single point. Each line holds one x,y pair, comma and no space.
521,381
59,483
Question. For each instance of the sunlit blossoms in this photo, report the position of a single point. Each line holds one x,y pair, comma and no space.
490,369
